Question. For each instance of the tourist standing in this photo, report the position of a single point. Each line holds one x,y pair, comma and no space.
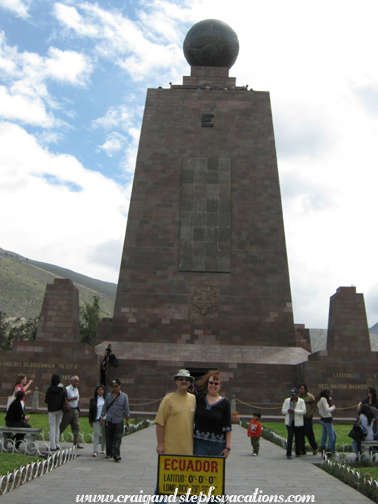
72,417
309,400
116,408
326,408
212,419
54,399
23,384
294,410
174,420
95,407
254,432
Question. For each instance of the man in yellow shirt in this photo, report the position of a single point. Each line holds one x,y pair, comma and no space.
175,418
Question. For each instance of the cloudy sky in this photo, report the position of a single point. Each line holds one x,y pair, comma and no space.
73,80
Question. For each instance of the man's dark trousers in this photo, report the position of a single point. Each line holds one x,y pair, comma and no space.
298,432
309,433
114,433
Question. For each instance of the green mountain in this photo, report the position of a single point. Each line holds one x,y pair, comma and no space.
23,283
374,329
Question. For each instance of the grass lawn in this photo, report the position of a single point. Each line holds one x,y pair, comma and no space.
342,431
369,472
11,461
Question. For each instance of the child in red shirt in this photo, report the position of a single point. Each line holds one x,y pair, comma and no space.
254,432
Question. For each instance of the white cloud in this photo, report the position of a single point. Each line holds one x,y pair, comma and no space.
131,151
70,17
114,143
48,137
127,119
116,117
25,109
137,47
25,96
19,7
368,95
67,211
67,66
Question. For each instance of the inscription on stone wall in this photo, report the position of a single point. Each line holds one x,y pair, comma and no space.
38,365
333,385
203,302
205,227
345,386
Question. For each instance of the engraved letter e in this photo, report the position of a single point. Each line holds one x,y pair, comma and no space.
206,121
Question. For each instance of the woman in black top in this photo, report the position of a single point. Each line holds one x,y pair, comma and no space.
212,419
54,399
15,416
371,397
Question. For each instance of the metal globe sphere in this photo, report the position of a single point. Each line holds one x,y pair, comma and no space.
211,43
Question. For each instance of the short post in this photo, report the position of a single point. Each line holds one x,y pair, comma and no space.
233,403
35,402
235,419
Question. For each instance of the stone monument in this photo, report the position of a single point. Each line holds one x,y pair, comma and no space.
204,279
204,276
56,349
348,365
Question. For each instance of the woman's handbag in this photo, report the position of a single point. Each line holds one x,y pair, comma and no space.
66,406
11,398
358,432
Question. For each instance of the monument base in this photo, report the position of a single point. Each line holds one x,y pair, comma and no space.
258,376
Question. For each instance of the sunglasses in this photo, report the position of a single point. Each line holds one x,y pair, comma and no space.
213,382
115,385
180,378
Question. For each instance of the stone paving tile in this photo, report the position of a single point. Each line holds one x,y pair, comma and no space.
270,472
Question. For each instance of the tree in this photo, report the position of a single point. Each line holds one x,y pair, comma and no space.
19,329
89,319
4,328
24,330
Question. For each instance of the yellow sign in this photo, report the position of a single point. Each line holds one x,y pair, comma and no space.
188,475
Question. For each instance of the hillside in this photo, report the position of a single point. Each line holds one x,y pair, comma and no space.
374,329
319,339
23,283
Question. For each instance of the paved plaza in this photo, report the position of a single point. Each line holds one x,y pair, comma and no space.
270,472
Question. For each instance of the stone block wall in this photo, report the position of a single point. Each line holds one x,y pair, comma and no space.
346,374
59,319
256,387
302,337
347,324
240,292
